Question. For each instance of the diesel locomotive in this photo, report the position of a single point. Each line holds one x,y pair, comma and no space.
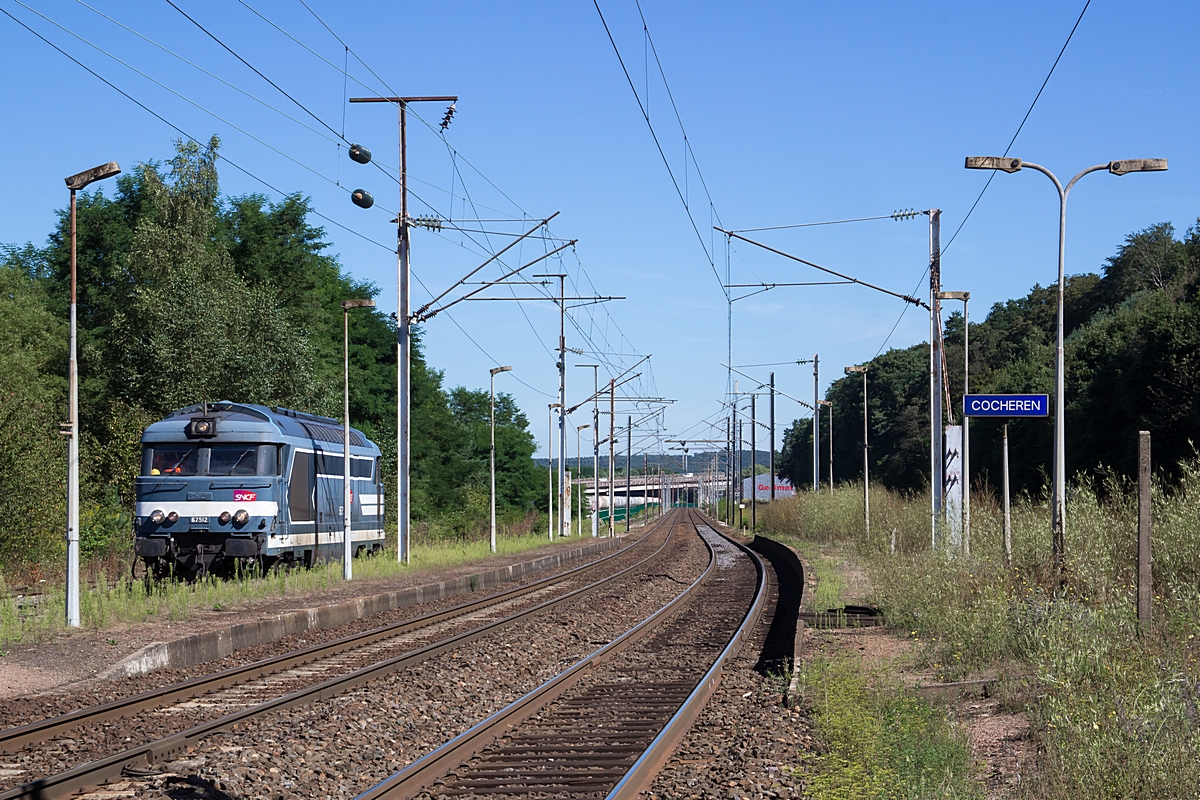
225,484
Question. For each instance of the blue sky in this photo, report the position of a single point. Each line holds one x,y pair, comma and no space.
796,112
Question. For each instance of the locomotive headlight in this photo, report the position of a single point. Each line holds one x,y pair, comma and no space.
241,517
156,516
172,517
224,518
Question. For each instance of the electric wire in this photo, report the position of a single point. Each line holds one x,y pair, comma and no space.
663,155
184,133
255,70
188,100
241,169
993,172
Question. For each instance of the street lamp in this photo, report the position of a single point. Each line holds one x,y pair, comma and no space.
1006,164
74,183
966,422
866,457
579,479
492,459
347,495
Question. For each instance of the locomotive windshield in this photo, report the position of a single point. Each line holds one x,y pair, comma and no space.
233,459
175,459
216,460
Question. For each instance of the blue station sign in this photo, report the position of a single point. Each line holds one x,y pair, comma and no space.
1006,405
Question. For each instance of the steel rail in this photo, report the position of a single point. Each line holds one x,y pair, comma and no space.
138,760
420,774
39,731
639,776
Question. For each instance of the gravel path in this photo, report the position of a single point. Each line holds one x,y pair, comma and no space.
337,747
20,711
746,743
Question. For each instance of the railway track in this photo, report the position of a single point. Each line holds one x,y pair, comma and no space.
201,707
605,726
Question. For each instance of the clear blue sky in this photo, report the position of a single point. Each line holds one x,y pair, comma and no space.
795,113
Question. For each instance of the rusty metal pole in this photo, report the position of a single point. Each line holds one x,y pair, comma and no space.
1144,588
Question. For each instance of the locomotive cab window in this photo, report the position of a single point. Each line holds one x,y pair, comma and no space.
233,459
171,459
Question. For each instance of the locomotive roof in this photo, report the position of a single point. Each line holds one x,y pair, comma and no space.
249,422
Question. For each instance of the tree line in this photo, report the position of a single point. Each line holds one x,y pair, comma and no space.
1132,352
184,295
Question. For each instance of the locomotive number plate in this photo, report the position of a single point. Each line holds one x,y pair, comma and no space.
201,520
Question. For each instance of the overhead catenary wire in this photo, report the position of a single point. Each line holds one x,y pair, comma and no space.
666,162
992,175
188,100
240,168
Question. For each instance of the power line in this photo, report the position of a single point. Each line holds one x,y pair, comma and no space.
184,133
896,215
255,70
993,173
663,155
187,99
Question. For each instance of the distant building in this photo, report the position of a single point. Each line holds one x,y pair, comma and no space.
762,488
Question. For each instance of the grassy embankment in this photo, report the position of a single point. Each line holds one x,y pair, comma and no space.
109,603
1115,713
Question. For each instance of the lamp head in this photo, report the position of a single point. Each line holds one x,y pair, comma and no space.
855,369
498,370
349,304
101,172
964,296
1138,165
1003,163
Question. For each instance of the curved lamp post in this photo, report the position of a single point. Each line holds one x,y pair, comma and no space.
1006,164
71,429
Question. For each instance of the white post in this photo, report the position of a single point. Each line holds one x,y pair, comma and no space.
73,454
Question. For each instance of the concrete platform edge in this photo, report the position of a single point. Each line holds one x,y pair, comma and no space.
222,642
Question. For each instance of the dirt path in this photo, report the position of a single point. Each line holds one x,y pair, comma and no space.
1003,752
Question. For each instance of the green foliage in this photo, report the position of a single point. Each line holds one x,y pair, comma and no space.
32,404
1133,335
883,741
185,296
1114,711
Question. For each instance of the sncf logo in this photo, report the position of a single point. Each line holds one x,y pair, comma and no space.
245,497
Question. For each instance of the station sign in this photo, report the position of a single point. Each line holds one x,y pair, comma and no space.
1006,405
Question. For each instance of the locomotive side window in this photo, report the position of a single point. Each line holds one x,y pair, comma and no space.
172,459
301,488
233,459
361,467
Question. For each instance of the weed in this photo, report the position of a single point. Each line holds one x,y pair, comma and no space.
124,601
882,740
1116,714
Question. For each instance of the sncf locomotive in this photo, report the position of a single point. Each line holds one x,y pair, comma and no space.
228,484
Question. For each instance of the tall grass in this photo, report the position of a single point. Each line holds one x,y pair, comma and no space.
1116,713
110,603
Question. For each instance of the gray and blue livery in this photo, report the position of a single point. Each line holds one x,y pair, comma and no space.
227,484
